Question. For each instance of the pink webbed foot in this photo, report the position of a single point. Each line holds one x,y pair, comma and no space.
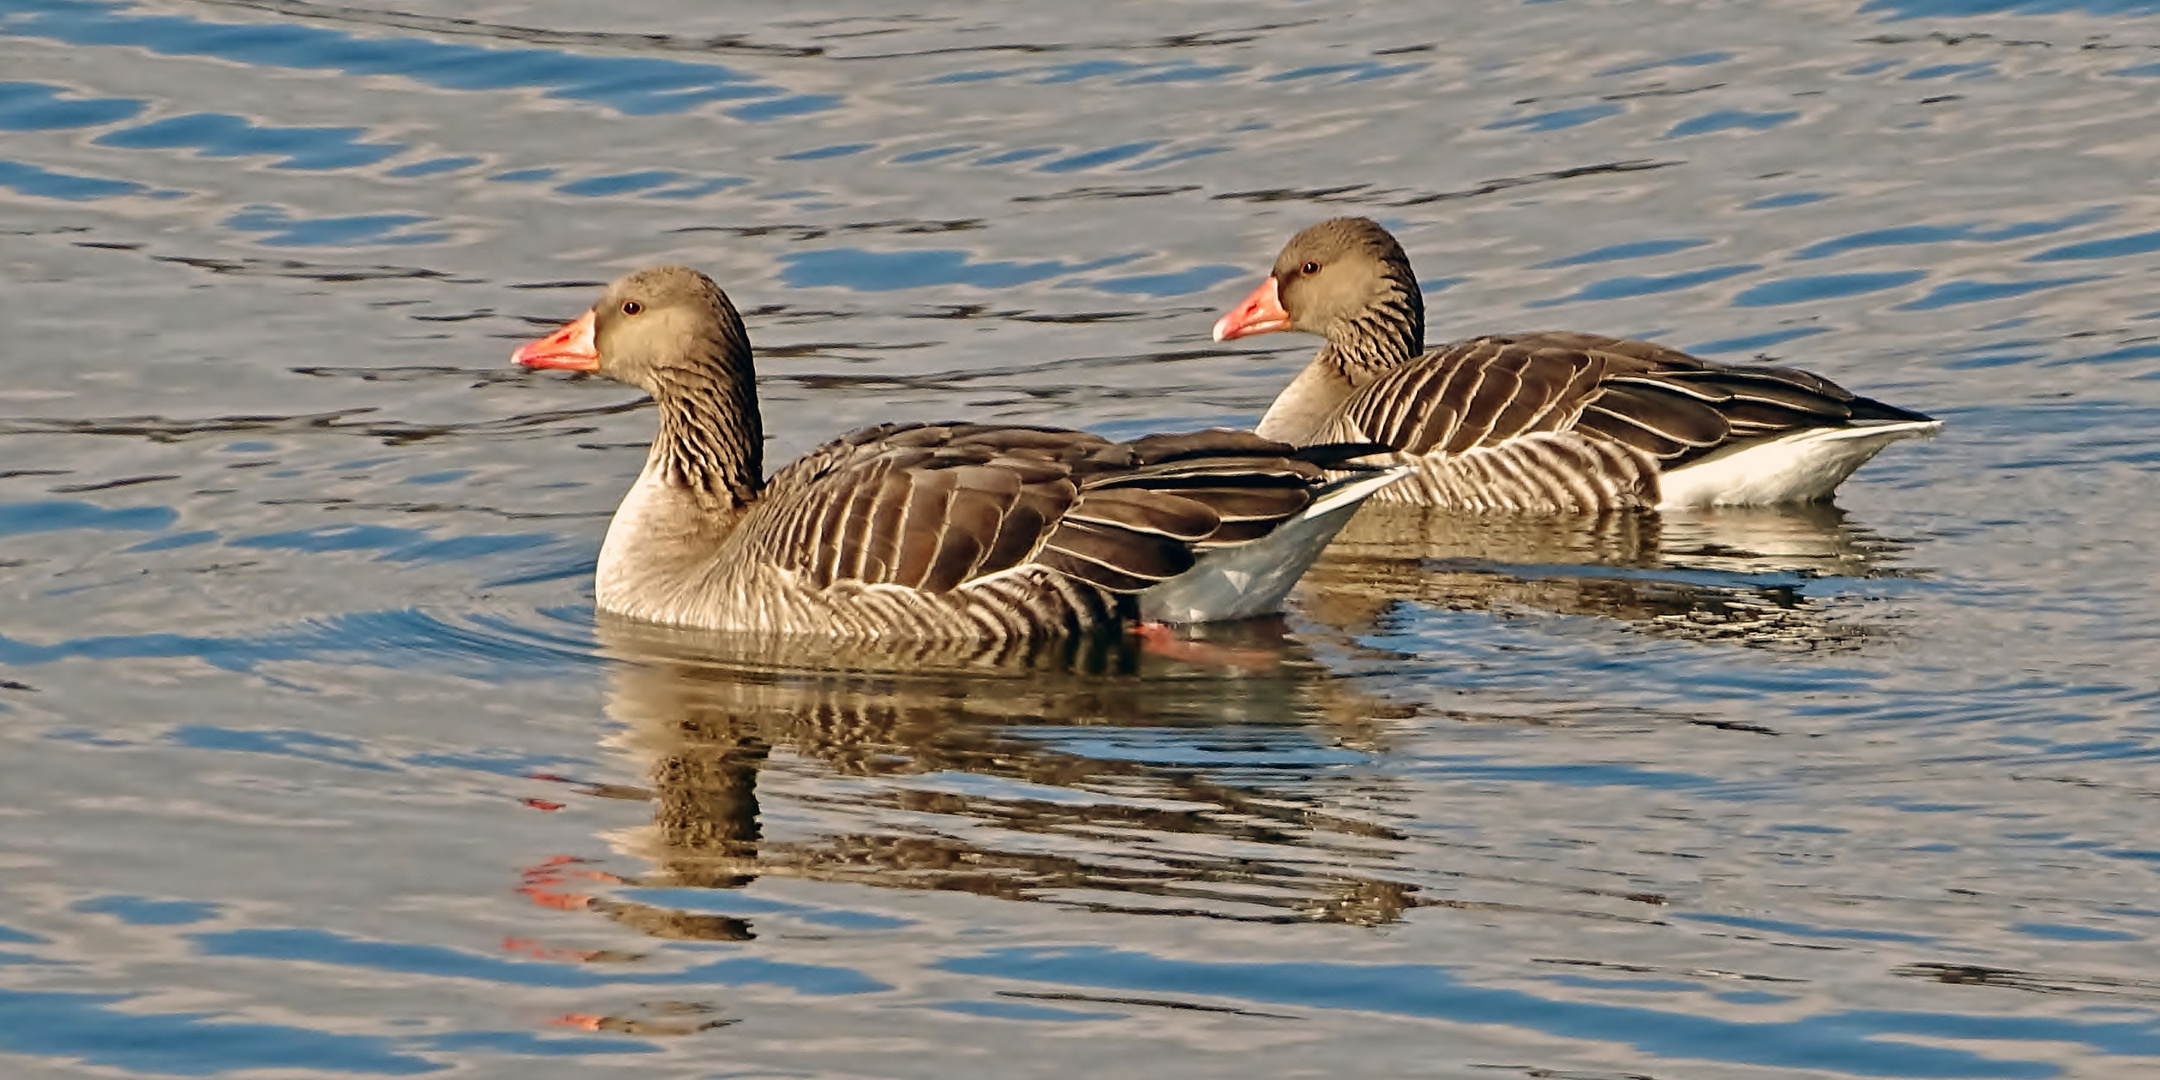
1163,640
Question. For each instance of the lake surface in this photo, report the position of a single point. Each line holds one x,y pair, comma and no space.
317,762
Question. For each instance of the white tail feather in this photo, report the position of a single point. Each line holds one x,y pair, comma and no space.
1804,466
1251,579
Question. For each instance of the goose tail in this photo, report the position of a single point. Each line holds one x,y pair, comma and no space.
1803,466
1248,580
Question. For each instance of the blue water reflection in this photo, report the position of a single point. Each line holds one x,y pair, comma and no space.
1729,120
218,135
316,946
93,1028
46,183
1920,9
1614,288
880,271
1634,249
17,519
1808,288
633,85
145,911
40,107
283,228
1558,119
1843,1042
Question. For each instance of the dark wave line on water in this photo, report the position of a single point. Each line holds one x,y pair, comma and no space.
1021,378
109,485
386,507
288,268
727,43
801,232
391,432
295,268
1109,192
1194,40
958,312
478,646
1367,193
1152,1003
2033,982
569,283
413,373
1913,9
449,27
1953,40
1846,1041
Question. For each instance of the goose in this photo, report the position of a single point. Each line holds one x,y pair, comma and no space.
1547,421
928,531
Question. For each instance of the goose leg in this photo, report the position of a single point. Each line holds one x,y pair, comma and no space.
1163,640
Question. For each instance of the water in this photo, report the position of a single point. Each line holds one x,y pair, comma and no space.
317,761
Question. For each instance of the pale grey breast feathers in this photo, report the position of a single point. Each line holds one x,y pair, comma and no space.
934,507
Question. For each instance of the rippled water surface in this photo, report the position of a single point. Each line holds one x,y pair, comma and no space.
317,761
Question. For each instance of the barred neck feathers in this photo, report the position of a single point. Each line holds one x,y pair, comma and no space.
1384,336
712,441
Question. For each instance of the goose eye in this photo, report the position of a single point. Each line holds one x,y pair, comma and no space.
1309,268
632,307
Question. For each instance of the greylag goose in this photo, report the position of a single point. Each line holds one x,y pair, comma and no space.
927,530
1546,421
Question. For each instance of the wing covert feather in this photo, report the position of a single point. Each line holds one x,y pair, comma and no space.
939,506
1488,392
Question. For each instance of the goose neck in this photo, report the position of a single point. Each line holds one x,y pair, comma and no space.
711,441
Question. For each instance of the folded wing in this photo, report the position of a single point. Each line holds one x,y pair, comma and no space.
1486,392
936,507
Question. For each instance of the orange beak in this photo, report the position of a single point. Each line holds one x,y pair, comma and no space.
570,348
1259,313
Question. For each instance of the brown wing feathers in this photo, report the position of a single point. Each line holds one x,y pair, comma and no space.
921,506
1175,516
1147,508
935,506
1118,560
1487,391
1476,393
1653,419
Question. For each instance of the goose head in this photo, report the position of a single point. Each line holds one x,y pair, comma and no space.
672,333
1344,279
649,329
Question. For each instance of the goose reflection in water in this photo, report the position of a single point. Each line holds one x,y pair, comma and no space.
1734,575
1099,772
1022,772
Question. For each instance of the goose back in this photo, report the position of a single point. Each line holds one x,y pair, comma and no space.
1571,421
